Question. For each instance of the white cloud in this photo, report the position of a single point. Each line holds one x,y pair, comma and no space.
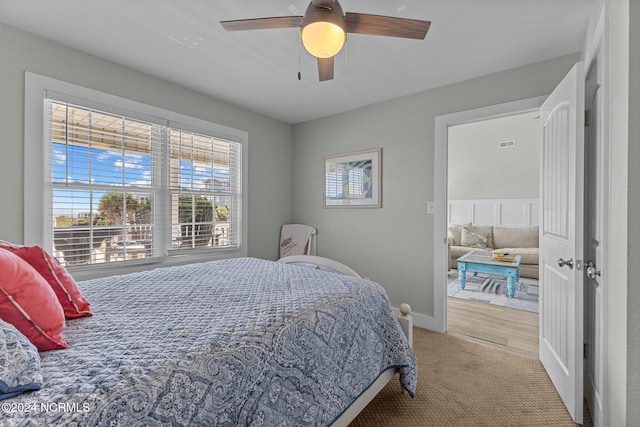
130,161
58,157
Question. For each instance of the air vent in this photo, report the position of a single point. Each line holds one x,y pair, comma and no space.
507,144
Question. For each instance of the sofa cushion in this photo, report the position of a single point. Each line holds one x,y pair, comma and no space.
458,251
527,255
515,237
477,236
529,270
454,232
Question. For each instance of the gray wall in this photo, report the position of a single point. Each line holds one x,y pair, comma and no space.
623,224
479,169
394,245
269,140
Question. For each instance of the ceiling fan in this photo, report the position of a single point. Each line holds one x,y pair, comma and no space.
324,28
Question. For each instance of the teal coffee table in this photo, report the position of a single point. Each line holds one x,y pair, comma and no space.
482,262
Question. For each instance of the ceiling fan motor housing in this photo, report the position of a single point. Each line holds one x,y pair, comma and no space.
324,30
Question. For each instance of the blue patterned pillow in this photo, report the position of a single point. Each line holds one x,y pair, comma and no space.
19,363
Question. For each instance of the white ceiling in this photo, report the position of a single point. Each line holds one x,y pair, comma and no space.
183,42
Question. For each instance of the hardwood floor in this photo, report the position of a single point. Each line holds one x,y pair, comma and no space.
502,327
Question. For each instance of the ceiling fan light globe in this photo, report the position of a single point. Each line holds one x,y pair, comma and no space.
323,39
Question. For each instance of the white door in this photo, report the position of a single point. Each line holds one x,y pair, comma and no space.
561,239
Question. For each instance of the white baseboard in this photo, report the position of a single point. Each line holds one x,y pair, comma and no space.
421,320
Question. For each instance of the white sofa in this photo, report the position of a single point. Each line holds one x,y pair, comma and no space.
523,241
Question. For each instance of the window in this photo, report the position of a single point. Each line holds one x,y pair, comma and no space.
122,181
204,187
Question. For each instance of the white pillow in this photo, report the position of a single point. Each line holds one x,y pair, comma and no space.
475,237
454,232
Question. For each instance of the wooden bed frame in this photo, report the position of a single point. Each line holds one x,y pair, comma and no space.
405,320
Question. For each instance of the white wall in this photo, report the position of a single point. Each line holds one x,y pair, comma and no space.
269,140
394,244
633,280
480,169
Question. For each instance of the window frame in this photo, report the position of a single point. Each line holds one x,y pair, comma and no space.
37,187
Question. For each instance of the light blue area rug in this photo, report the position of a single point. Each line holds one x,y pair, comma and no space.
492,290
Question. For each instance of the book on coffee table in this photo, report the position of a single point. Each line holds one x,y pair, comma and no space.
503,257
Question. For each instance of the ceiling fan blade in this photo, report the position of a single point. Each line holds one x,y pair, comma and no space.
362,23
325,68
262,23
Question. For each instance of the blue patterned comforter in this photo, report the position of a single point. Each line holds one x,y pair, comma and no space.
235,342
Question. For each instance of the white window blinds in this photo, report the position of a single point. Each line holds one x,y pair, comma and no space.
205,190
122,189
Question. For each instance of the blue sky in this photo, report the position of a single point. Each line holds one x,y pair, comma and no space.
79,164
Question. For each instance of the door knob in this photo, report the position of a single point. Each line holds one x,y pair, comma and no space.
568,263
592,272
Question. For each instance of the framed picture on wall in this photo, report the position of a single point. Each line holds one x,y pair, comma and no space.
353,180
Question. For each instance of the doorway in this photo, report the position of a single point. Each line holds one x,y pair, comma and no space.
441,220
493,184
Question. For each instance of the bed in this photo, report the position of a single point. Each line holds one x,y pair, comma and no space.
242,341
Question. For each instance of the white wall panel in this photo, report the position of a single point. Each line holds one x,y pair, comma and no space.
496,212
483,213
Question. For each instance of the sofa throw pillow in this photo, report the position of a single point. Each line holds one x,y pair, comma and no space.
487,231
19,363
454,232
472,237
64,286
28,303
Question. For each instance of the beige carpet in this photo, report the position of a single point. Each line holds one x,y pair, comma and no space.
461,383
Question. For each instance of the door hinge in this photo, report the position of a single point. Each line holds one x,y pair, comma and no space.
585,351
587,117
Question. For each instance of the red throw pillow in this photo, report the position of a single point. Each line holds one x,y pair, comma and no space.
28,303
66,289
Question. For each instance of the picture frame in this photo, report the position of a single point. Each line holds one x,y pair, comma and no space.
353,180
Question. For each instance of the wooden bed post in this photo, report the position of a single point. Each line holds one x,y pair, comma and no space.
406,322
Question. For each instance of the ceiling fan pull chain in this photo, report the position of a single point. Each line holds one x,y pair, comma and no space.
299,43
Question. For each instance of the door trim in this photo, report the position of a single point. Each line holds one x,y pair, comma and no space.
597,54
442,124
